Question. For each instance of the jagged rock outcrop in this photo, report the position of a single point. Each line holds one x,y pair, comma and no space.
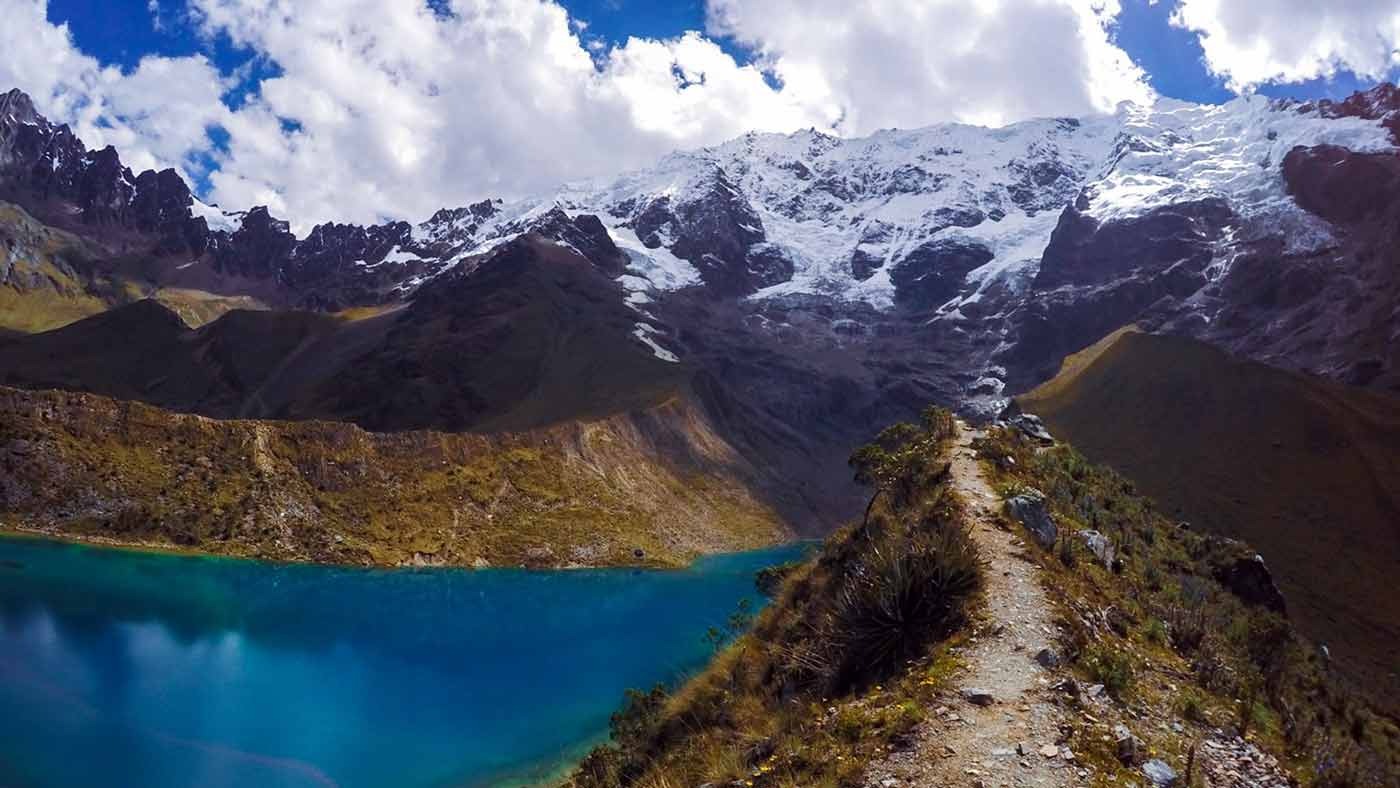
1249,578
935,271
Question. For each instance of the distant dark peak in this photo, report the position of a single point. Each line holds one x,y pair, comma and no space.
446,215
106,157
259,220
165,187
503,261
160,203
477,211
258,248
17,105
350,242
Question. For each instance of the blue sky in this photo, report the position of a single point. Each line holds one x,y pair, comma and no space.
120,32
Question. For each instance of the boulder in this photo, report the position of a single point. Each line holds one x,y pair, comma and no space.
1100,546
978,697
1032,427
1029,509
1249,579
1160,774
1129,747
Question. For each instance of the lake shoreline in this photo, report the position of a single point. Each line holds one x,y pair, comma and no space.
12,530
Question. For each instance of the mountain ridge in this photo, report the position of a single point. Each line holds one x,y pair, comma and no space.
971,236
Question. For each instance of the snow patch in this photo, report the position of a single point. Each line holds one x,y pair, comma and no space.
658,268
397,255
644,332
217,220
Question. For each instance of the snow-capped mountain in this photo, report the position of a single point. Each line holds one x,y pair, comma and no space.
994,251
984,232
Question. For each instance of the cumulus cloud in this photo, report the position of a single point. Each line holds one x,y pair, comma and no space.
1251,42
157,114
392,110
395,109
896,63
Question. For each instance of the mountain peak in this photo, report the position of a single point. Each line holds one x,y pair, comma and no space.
17,105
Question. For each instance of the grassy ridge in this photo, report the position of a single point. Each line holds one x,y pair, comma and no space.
1182,659
1304,470
611,492
1171,643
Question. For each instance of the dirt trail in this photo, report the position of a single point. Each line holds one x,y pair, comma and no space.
1013,741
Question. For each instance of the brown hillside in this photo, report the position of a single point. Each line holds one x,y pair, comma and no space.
654,486
1305,470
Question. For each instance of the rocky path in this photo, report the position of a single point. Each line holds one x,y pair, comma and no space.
997,727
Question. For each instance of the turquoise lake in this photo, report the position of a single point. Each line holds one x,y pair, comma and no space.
128,669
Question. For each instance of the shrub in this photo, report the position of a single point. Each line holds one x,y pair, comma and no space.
1189,617
1065,550
903,459
908,714
1112,669
1191,706
850,723
1155,632
770,579
639,716
900,599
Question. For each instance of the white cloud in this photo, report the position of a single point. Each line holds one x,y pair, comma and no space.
1250,42
394,110
908,63
157,115
399,110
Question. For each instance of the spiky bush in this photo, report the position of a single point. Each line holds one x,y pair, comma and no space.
902,596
